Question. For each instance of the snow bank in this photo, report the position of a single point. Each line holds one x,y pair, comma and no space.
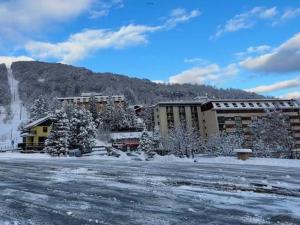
18,155
251,161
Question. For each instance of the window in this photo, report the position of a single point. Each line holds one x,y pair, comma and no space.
170,116
259,104
243,104
45,129
226,104
282,103
251,104
234,104
218,105
267,104
181,110
221,123
238,123
195,119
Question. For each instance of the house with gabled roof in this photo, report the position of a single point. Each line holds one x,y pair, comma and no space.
35,134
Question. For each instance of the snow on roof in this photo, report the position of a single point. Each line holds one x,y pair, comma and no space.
37,122
242,150
126,135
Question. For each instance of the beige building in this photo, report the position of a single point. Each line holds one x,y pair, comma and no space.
213,116
101,100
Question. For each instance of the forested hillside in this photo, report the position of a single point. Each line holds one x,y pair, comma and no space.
54,79
5,96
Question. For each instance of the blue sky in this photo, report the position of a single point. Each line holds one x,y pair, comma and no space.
252,45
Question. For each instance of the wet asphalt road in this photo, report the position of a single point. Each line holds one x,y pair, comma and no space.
98,191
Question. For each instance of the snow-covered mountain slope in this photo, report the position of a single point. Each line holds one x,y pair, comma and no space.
13,115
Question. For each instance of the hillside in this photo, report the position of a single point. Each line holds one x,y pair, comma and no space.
5,96
54,79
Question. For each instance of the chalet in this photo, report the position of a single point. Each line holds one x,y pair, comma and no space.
34,134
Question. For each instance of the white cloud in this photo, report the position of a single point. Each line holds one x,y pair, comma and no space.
283,59
254,50
30,14
291,95
20,19
80,45
180,15
196,60
8,60
290,14
159,81
201,75
294,83
246,20
103,7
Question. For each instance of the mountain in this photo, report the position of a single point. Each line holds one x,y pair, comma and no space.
5,96
55,79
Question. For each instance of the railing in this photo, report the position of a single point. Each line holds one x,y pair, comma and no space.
32,146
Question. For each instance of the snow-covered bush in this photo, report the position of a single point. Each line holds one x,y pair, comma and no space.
57,141
272,134
223,144
183,142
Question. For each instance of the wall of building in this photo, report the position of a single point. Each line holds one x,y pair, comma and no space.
236,116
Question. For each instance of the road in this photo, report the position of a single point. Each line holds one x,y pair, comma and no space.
99,191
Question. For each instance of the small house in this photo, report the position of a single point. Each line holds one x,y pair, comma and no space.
125,140
35,133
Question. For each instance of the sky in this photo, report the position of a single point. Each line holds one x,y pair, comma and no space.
251,45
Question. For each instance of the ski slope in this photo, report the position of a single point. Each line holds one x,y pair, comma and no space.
9,129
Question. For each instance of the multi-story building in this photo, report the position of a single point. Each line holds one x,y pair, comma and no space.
101,100
214,116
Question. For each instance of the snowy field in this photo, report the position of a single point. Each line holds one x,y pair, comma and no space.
37,189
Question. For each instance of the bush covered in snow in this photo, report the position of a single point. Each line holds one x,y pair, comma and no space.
272,134
223,144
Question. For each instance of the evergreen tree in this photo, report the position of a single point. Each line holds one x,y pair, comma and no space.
93,110
39,109
57,142
82,130
146,142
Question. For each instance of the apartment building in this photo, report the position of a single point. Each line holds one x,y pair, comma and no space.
213,116
101,100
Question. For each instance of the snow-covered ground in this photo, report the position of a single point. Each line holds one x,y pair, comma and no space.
9,130
36,189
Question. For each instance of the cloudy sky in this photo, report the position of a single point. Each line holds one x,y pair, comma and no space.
252,45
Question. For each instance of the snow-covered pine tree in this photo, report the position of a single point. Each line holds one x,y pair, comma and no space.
82,130
106,116
93,110
39,109
146,142
156,137
57,142
271,134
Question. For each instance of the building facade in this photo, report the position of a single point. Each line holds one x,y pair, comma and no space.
213,116
100,100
